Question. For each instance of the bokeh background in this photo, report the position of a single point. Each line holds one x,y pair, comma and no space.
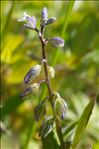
76,66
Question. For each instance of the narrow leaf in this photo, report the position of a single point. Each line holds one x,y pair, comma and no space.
83,121
70,127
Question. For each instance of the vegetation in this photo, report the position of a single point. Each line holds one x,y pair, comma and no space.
76,76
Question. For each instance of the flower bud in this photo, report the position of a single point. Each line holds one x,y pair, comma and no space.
56,41
29,89
32,74
39,111
51,71
60,107
46,127
44,14
30,21
51,20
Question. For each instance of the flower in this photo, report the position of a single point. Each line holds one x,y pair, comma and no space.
30,21
32,73
56,41
44,14
32,88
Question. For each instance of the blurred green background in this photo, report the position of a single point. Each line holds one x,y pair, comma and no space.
76,65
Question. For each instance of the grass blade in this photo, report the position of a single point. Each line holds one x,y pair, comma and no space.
56,52
83,121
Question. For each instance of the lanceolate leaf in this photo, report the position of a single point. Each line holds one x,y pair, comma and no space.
83,121
70,127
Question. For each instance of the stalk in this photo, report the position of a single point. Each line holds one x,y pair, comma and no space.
49,87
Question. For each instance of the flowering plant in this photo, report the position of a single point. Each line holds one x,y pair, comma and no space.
58,105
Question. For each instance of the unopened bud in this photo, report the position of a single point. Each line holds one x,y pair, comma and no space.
51,20
46,127
32,74
51,71
60,107
56,42
39,111
44,14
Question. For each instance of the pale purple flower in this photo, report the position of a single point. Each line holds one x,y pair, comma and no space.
56,41
32,88
30,21
44,14
32,73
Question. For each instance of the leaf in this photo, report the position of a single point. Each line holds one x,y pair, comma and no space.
70,127
83,121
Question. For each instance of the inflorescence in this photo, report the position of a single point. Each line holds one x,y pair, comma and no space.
58,105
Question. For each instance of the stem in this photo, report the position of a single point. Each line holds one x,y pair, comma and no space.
45,64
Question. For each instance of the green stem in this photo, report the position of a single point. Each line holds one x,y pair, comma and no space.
56,52
45,64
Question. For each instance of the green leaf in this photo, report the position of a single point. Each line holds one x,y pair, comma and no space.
83,121
70,127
